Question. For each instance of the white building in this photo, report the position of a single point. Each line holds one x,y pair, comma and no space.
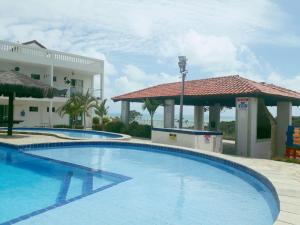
68,73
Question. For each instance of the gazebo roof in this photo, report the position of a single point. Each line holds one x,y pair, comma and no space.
221,90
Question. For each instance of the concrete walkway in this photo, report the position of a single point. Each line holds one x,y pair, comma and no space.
284,176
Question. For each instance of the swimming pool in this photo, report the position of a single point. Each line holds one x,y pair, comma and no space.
71,133
144,185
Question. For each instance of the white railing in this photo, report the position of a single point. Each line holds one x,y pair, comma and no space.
14,48
68,91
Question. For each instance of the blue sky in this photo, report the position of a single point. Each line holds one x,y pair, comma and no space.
140,40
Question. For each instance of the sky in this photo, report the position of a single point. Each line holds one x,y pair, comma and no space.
140,40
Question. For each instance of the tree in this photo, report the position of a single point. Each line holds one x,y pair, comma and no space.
72,108
101,110
87,102
133,115
151,105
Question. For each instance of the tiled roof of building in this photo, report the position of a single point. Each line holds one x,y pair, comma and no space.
220,86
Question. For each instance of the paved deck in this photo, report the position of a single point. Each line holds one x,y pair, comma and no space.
284,176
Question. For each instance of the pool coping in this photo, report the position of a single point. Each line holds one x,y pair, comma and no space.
277,173
122,136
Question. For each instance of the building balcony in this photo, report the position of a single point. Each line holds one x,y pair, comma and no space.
68,92
29,54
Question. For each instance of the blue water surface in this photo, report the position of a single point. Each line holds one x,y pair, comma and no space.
29,184
85,134
165,189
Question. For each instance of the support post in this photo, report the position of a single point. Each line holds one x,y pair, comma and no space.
10,121
284,119
169,109
199,117
214,117
246,129
102,86
51,75
125,108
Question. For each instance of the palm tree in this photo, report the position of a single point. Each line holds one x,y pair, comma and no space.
87,102
73,108
151,105
101,110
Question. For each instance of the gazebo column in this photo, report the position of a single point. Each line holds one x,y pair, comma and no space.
284,119
198,117
169,109
246,125
125,108
214,117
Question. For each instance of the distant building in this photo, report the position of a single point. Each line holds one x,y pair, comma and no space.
68,73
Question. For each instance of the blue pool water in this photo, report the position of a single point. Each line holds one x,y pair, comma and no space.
85,134
29,184
166,187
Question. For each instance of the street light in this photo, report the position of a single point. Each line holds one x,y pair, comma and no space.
183,71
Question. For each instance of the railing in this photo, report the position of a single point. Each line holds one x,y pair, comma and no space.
14,48
67,92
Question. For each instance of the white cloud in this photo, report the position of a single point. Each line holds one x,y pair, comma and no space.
218,54
134,78
211,52
140,26
287,82
214,34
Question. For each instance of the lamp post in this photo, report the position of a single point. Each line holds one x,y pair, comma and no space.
183,71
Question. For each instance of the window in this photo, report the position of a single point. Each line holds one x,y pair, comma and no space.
53,109
33,109
76,86
54,79
35,76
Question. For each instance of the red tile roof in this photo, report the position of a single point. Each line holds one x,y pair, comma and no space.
220,86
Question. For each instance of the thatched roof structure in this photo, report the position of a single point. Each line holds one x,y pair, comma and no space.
23,86
14,84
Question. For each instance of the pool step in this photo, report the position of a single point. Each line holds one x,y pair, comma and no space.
87,185
64,188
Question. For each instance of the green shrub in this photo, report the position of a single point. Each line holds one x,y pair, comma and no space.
228,129
67,126
288,160
106,120
80,127
97,127
139,130
115,126
96,120
61,126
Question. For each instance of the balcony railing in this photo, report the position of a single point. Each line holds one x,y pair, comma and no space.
29,51
66,93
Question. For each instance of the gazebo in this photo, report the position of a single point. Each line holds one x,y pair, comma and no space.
14,84
247,96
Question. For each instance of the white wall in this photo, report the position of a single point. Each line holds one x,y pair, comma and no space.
39,118
247,143
261,149
45,72
212,143
42,117
27,69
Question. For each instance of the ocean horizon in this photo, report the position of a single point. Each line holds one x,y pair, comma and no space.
188,119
